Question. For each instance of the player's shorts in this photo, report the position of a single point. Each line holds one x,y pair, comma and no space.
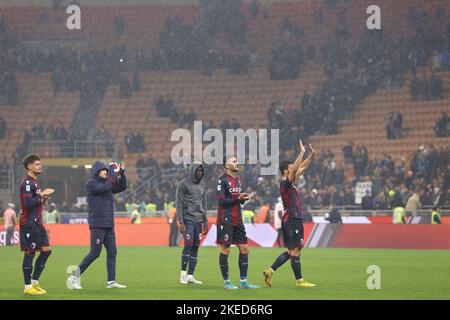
228,234
33,237
193,235
293,233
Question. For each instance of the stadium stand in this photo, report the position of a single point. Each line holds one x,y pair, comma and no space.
254,91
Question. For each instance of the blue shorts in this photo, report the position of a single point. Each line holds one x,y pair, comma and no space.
33,236
228,234
193,235
293,233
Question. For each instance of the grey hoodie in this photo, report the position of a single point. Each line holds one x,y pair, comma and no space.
191,197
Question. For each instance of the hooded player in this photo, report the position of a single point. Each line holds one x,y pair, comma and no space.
192,219
105,182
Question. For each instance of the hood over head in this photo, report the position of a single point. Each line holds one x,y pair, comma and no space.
194,168
97,167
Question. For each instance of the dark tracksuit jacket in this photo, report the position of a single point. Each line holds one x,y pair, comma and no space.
100,197
101,217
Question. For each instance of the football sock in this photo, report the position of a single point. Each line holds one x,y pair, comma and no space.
193,260
282,258
223,262
40,264
243,265
185,257
27,267
296,267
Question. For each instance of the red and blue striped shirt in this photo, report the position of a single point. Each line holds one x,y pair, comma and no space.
30,201
228,204
291,201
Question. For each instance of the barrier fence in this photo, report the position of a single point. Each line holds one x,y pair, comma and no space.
377,233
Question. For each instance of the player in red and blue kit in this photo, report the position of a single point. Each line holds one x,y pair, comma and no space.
292,221
33,236
230,228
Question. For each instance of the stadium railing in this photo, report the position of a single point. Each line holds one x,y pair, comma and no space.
149,184
68,149
314,213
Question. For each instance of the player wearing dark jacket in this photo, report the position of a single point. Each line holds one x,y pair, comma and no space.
105,182
100,196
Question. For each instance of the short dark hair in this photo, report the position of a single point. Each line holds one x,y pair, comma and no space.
284,166
29,159
225,158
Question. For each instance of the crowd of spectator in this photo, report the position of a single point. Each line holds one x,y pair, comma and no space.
394,125
2,128
8,83
287,56
4,173
102,137
8,86
47,132
325,184
165,107
427,88
441,60
351,75
354,74
134,142
146,168
442,127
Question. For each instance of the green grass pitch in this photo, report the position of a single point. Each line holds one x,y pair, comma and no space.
153,272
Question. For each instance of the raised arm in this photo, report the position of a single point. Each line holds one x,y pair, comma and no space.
305,164
122,185
292,174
